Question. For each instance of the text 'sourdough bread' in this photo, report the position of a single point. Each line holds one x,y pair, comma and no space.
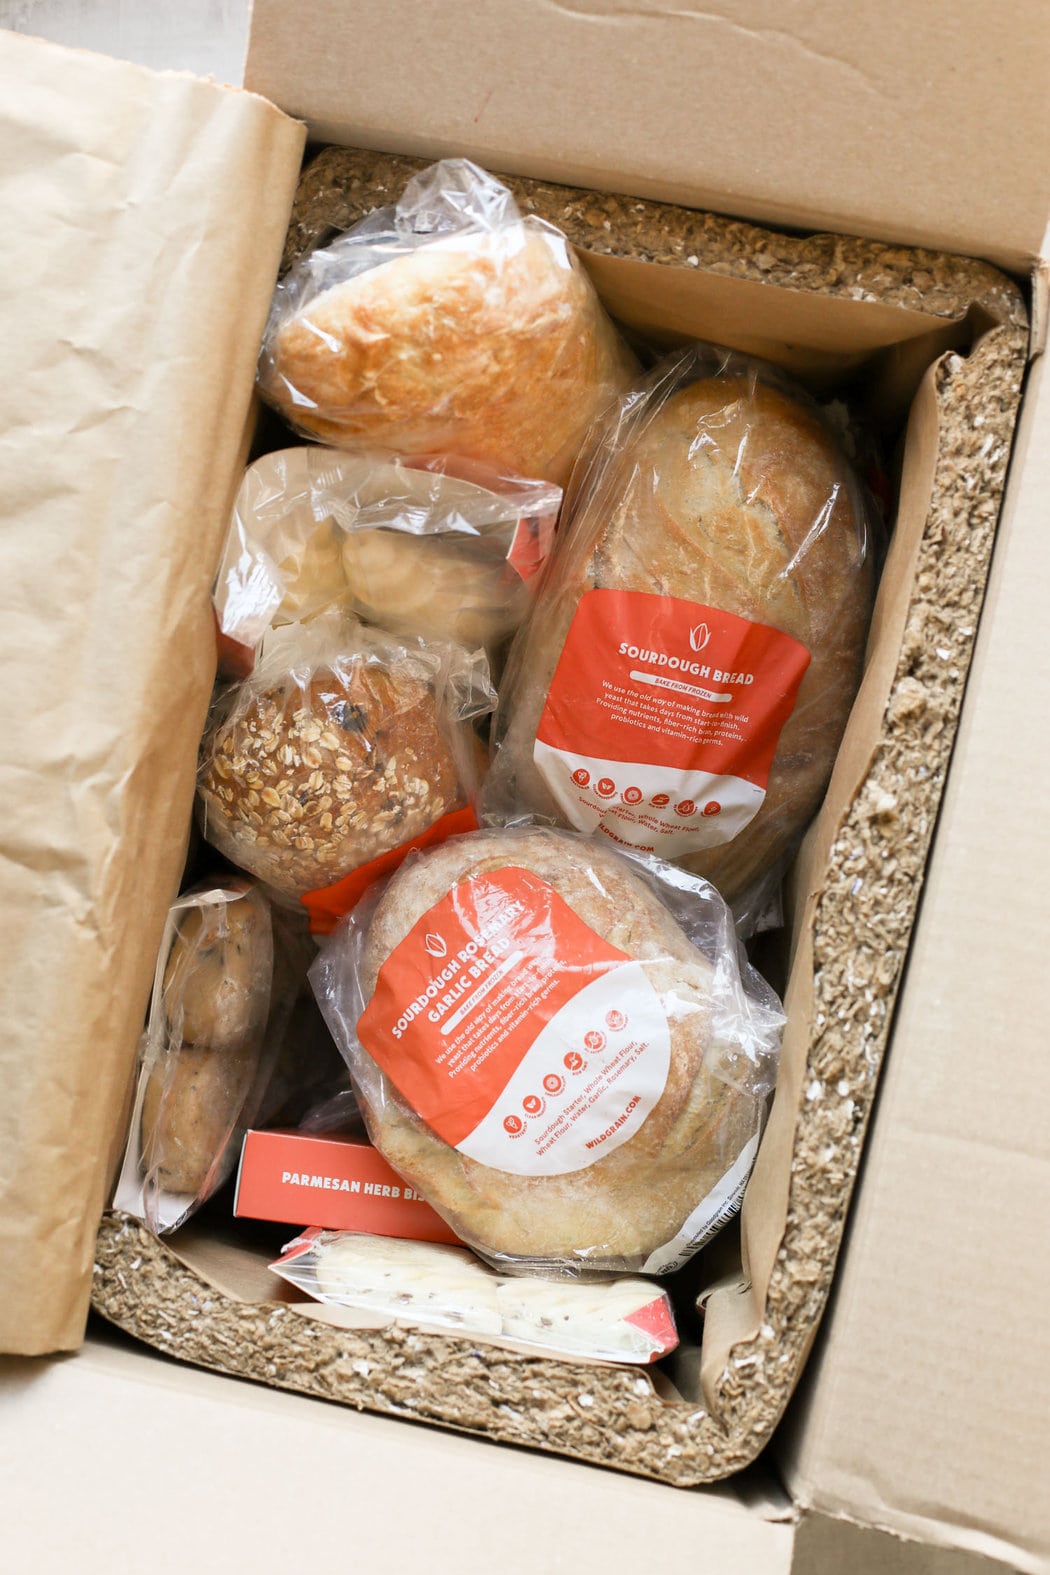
633,1200
728,492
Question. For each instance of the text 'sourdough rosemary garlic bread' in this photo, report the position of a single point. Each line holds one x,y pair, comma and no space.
560,1048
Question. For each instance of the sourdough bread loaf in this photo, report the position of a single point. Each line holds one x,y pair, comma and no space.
724,492
631,1201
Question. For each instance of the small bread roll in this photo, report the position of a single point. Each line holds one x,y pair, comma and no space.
189,1108
486,344
313,574
205,1039
634,1200
212,974
424,585
301,786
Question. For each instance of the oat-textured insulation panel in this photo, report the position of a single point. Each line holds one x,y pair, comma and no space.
851,930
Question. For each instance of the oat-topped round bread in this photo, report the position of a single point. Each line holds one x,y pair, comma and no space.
301,783
483,338
601,1205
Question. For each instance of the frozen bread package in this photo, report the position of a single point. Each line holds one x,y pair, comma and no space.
446,324
685,677
562,1048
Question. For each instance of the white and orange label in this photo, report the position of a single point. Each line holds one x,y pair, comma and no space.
515,1031
663,718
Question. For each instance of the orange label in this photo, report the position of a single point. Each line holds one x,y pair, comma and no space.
515,1031
531,544
663,718
329,904
295,1178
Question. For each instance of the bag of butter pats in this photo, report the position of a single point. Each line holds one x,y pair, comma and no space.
414,1282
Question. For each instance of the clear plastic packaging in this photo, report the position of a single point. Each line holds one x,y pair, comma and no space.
446,324
440,548
206,1057
683,681
620,1320
345,747
562,1048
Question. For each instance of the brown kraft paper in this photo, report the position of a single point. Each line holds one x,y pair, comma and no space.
142,218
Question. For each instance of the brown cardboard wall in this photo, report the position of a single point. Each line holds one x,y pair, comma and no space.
924,124
926,1408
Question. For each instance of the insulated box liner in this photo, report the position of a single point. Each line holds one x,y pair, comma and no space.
936,344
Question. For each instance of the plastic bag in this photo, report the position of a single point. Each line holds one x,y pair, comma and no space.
621,1320
205,1057
561,1047
685,677
445,325
344,748
439,549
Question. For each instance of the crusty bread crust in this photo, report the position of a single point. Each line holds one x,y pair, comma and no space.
489,345
302,786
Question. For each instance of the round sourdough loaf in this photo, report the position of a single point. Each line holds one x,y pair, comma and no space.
624,1206
487,344
729,492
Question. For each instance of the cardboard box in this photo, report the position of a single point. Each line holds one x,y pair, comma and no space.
867,1456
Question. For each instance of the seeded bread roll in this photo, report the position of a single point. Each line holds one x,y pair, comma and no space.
302,785
492,346
623,1207
728,492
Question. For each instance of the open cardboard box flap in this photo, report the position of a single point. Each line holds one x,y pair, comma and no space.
925,126
925,1407
217,205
